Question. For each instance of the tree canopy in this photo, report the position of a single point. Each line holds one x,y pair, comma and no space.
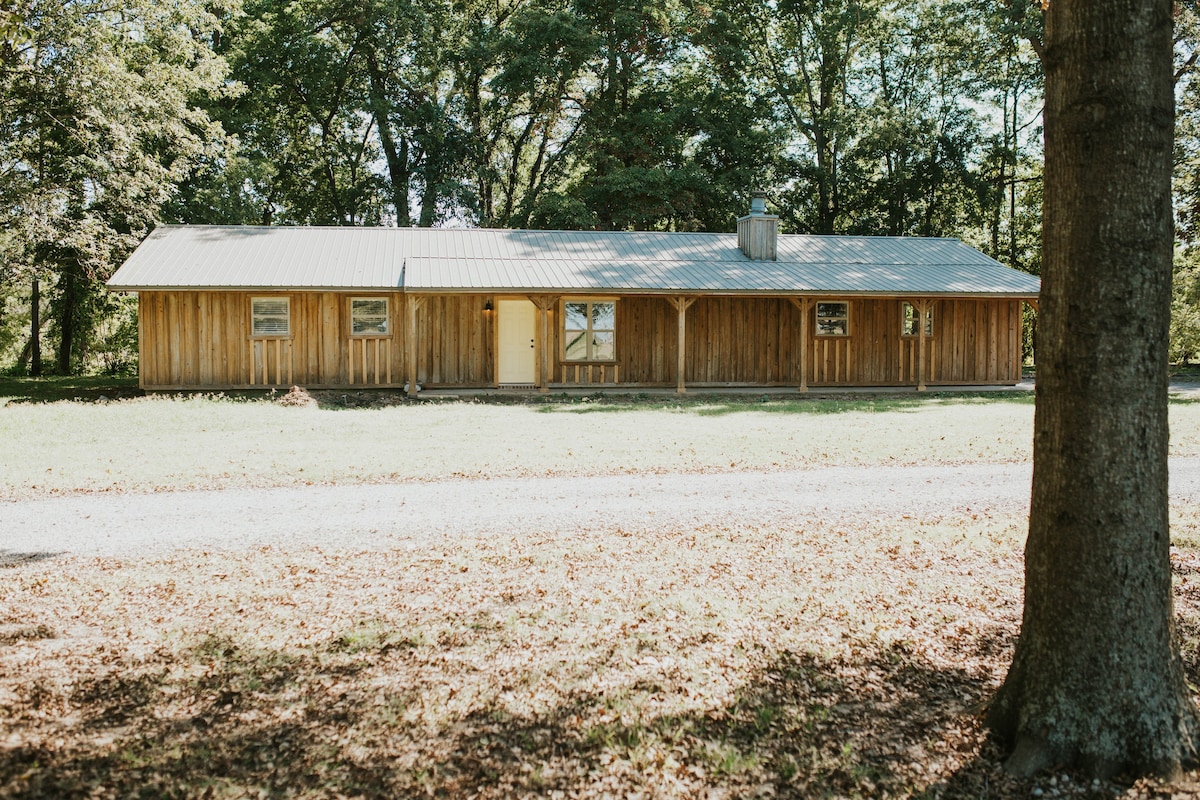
857,116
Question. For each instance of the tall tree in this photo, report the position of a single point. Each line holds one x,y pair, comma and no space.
1006,64
1096,680
807,52
302,115
911,168
99,123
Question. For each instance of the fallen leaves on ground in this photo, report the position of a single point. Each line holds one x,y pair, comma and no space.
839,660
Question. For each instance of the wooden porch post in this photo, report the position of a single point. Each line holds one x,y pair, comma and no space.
922,307
681,304
544,304
412,307
803,303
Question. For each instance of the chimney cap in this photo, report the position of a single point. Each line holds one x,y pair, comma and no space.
758,203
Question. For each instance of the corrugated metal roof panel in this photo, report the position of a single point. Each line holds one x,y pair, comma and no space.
482,260
188,256
445,274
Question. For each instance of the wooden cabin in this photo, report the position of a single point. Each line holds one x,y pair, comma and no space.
244,307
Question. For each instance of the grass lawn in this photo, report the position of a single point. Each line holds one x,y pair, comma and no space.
830,660
204,441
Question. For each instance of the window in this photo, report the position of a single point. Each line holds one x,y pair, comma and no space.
270,316
909,324
589,330
369,316
833,319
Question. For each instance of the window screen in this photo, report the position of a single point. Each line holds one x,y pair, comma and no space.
270,316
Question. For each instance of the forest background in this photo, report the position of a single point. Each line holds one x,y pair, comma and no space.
874,117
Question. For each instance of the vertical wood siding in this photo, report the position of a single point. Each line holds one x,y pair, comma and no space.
742,340
455,342
756,341
202,340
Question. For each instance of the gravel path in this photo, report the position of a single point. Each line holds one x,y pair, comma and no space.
420,514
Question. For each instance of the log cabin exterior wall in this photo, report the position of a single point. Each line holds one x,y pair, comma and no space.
201,339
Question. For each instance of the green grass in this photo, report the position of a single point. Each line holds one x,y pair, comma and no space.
712,405
158,443
212,441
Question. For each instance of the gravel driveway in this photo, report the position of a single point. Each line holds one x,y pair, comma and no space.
420,514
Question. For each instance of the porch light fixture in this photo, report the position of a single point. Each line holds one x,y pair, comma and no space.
487,307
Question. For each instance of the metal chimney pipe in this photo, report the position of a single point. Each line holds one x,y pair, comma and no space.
758,203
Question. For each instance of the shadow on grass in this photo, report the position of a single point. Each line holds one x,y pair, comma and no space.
14,558
55,388
260,723
725,404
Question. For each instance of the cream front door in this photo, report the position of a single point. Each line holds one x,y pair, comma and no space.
516,323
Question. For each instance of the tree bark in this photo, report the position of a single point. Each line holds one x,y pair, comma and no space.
66,324
35,331
396,157
1096,681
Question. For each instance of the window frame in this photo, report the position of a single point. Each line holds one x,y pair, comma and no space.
286,316
904,321
818,316
387,318
590,332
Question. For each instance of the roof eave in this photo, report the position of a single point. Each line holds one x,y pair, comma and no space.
832,292
1007,295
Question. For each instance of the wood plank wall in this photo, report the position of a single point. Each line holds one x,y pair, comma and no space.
742,340
456,342
202,340
756,341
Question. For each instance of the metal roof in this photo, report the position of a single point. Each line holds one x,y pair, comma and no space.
246,257
488,260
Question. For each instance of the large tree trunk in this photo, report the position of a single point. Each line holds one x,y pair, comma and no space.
68,284
396,157
35,331
1096,680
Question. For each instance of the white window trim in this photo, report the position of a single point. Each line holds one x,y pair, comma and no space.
563,330
818,316
287,316
387,318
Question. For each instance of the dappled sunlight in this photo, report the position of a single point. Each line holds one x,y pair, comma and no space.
841,658
833,657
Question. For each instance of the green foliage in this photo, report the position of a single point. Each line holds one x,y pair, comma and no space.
100,124
1185,297
12,24
1185,309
